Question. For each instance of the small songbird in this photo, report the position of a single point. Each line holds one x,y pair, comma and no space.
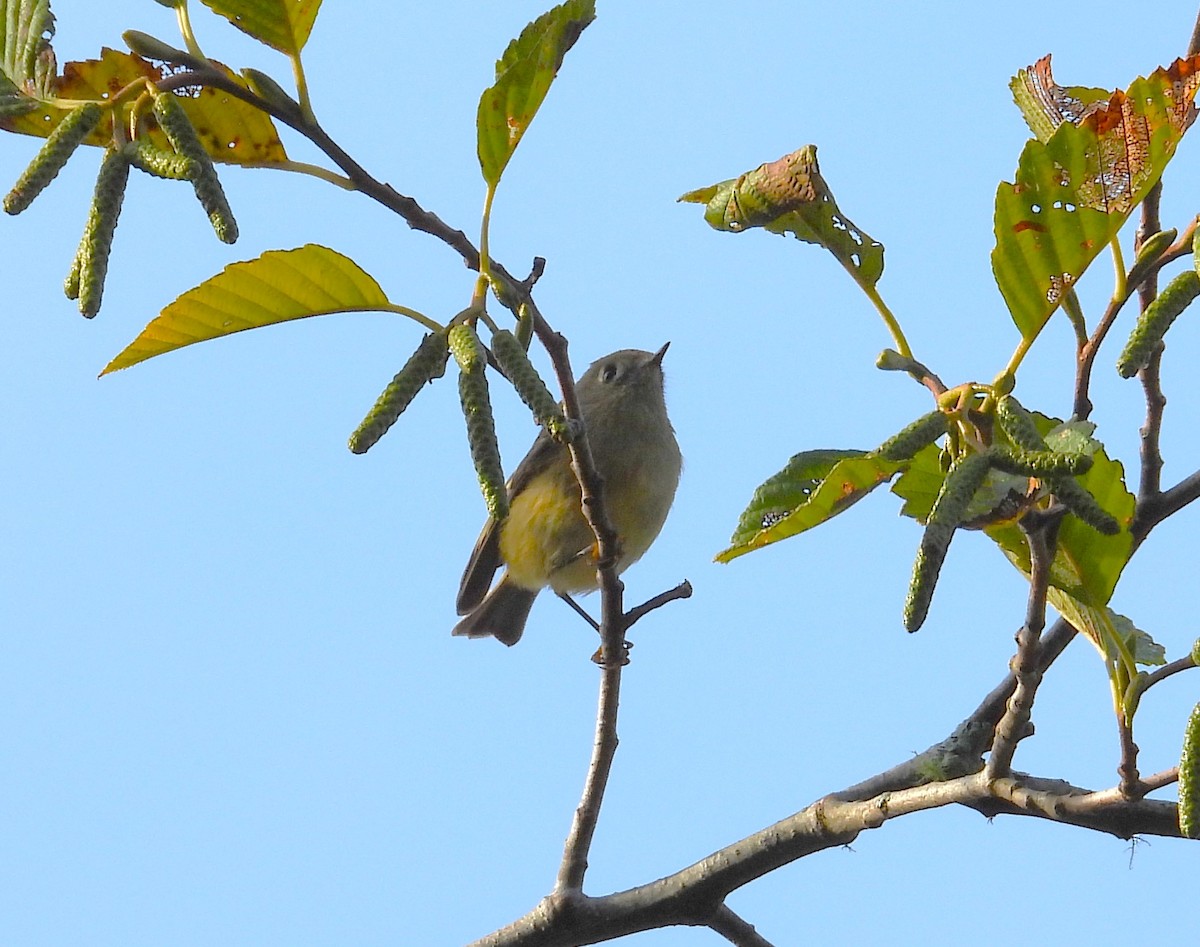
545,540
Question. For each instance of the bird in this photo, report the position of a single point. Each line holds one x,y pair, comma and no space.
545,539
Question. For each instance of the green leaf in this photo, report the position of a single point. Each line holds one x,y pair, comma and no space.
1145,650
252,294
790,196
1074,191
918,486
523,77
26,27
814,486
281,24
1109,631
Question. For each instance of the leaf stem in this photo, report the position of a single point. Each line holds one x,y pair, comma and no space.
1018,356
431,324
893,326
301,167
302,95
185,29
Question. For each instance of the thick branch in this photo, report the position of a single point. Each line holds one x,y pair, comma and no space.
694,895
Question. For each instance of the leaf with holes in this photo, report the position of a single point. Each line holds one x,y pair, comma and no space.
790,196
282,24
523,77
815,486
1045,104
231,130
1074,191
279,286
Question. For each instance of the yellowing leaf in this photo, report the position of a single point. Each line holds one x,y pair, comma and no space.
93,79
1074,191
790,196
281,24
815,486
523,77
231,130
279,286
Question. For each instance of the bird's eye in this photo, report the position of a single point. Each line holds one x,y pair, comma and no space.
608,373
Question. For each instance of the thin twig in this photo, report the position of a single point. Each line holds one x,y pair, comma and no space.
1166,504
1159,780
1151,476
1155,677
682,590
613,654
1127,769
736,930
1041,533
406,207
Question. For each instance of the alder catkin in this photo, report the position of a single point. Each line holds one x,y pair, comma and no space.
923,431
1189,778
949,509
1155,320
425,364
160,162
90,266
53,155
178,128
477,411
513,360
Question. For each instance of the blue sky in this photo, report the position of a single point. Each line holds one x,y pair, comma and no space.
230,708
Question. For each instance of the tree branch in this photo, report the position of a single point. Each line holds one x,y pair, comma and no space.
734,929
1041,532
694,895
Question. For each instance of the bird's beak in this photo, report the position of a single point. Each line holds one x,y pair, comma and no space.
658,356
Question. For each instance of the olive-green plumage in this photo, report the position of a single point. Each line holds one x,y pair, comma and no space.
545,540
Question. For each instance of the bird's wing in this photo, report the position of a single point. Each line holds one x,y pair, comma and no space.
485,557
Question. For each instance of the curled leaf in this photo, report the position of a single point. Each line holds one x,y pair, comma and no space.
790,196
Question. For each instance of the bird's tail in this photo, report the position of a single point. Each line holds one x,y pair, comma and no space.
501,614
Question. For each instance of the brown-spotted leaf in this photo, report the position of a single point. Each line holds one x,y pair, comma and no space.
1046,105
93,79
790,196
231,130
1074,191
815,486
